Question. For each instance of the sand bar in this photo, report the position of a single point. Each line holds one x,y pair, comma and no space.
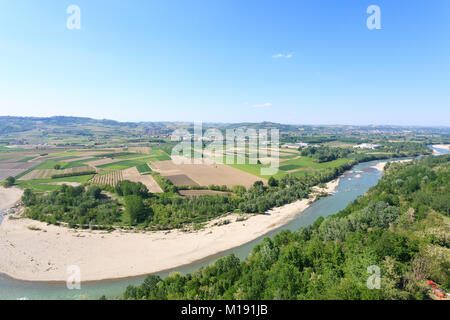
9,197
380,165
442,146
33,251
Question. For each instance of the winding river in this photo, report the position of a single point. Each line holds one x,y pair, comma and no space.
352,184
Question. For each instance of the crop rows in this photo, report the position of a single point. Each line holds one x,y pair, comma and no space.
111,178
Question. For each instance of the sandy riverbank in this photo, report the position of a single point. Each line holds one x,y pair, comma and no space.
9,197
31,250
380,165
440,146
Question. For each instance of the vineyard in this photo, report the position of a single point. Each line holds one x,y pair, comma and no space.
108,178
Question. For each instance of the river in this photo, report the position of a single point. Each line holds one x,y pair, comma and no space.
353,183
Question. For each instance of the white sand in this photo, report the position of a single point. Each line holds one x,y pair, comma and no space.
380,165
330,187
45,254
9,197
442,146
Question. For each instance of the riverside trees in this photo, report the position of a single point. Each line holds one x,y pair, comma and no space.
400,226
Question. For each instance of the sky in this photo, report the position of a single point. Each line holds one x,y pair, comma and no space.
294,62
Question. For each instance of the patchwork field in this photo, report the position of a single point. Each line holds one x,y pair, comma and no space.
48,173
296,165
108,178
14,168
132,174
204,175
181,179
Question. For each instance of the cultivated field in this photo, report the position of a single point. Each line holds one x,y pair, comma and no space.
110,178
132,174
47,173
14,168
203,174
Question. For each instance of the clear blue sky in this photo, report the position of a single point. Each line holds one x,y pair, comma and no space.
216,60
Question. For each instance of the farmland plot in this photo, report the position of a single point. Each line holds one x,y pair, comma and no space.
111,178
132,174
205,175
48,173
14,168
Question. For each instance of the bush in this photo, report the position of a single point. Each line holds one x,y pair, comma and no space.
72,174
9,182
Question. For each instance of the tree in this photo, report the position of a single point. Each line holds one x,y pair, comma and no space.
136,209
272,182
57,166
9,182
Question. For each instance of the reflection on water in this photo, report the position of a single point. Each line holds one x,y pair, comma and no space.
346,191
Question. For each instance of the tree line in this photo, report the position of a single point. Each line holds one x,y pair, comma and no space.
399,226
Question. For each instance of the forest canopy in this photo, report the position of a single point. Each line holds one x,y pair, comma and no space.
400,226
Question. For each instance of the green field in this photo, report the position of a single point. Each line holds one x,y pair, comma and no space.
143,168
50,164
157,155
301,166
42,184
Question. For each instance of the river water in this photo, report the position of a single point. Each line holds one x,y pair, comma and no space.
354,183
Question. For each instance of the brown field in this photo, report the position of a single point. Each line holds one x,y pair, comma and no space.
145,150
13,169
47,173
204,174
5,173
132,174
181,179
197,193
102,161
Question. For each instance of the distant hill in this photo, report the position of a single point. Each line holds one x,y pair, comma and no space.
15,127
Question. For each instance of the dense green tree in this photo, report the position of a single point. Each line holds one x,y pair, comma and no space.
329,259
9,182
136,210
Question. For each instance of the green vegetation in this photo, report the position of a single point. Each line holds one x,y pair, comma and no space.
78,206
143,168
400,226
9,182
42,185
125,164
58,165
73,174
165,184
26,159
325,154
136,210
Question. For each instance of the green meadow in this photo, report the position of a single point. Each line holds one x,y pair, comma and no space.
42,185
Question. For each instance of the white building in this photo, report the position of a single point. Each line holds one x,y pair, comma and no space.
294,145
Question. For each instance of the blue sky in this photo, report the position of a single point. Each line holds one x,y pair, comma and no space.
219,60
